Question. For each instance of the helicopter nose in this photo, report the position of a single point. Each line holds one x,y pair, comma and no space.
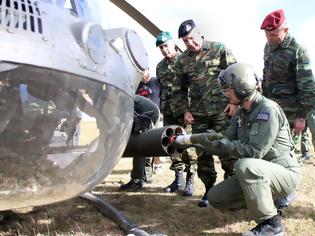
66,102
59,135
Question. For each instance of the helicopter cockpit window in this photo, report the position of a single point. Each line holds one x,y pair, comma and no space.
90,10
66,4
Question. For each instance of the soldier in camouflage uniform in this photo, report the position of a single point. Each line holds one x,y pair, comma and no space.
288,78
197,96
165,74
259,135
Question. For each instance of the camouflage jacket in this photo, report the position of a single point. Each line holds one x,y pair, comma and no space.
195,86
165,74
288,78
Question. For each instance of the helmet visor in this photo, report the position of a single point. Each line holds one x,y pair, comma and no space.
222,82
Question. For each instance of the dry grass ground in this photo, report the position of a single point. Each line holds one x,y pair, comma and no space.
157,212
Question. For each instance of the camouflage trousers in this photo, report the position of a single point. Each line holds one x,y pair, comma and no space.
301,141
310,119
186,162
205,162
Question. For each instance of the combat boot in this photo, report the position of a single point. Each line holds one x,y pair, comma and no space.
269,227
189,188
228,174
306,156
283,202
133,185
177,184
204,200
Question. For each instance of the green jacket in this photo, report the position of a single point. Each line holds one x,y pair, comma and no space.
165,74
263,132
195,86
288,78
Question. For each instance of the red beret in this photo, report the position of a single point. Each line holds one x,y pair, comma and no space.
273,20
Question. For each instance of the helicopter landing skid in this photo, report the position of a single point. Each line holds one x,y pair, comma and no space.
109,211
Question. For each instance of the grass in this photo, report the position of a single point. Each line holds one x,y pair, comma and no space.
157,212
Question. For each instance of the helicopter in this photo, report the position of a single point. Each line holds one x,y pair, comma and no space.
64,78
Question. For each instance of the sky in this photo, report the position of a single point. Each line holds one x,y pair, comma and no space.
234,23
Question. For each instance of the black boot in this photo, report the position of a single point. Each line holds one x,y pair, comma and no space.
285,201
189,189
177,184
228,175
133,185
306,156
270,227
204,200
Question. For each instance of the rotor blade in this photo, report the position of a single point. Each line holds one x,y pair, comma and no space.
137,16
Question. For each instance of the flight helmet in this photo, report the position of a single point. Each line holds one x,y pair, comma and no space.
241,77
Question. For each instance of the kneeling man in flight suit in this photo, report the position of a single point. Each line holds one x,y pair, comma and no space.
259,135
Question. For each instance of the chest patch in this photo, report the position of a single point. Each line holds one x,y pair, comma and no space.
263,116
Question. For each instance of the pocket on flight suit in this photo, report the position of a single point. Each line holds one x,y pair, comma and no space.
254,129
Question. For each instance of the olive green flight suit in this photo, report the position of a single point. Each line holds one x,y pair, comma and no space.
267,167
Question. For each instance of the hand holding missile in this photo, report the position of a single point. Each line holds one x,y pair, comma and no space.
208,141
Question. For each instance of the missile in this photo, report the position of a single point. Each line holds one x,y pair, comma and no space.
154,142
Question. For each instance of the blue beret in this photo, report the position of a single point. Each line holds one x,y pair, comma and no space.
162,38
185,28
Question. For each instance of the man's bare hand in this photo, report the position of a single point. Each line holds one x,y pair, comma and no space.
231,109
188,118
299,125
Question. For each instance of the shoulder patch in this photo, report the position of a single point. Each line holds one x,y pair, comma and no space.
263,116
